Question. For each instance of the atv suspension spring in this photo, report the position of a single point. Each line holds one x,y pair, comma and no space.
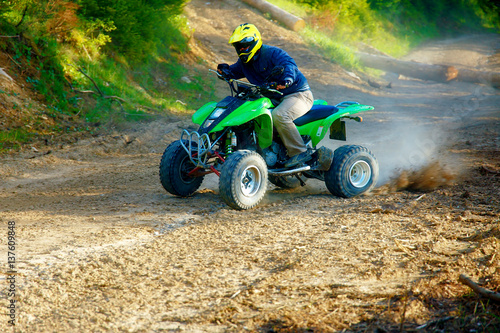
231,143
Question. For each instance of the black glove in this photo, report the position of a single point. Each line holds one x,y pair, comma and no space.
269,85
224,71
285,83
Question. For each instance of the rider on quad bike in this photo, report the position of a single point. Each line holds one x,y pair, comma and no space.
256,61
236,139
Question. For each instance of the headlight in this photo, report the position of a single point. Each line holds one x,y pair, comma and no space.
216,114
208,123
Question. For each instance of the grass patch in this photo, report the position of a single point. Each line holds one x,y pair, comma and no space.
159,83
12,139
159,86
337,34
339,28
135,67
330,48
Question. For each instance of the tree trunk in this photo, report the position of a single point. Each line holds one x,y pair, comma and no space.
290,21
439,73
469,75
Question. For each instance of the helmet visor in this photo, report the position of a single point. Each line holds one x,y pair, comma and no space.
245,45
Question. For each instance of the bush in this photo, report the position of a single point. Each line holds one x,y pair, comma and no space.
139,26
427,17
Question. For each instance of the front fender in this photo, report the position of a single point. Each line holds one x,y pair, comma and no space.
202,113
263,124
258,111
264,129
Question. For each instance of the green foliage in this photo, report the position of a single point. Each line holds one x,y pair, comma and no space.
91,37
5,7
10,139
392,26
48,77
331,49
425,18
418,20
139,25
129,48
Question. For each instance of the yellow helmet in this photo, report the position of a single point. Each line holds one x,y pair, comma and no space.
246,40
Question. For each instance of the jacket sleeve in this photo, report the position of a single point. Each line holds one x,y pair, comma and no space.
237,70
281,58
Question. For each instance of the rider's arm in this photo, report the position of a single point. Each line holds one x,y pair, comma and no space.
237,70
281,58
296,80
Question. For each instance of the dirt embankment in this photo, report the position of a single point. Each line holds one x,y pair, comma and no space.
102,247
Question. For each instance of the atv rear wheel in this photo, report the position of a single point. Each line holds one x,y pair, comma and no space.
354,171
243,179
175,166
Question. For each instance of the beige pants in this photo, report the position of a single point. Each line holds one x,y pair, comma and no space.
292,107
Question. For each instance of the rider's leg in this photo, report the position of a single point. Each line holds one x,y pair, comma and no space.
292,107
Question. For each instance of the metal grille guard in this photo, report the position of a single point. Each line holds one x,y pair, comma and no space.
197,146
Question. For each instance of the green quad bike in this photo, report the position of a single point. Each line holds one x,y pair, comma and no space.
237,142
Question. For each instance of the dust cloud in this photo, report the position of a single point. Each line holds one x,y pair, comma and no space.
416,157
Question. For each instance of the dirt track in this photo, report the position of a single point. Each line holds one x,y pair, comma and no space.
102,247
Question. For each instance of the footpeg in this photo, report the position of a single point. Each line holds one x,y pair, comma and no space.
302,183
282,172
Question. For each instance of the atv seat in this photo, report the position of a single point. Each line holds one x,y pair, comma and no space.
317,112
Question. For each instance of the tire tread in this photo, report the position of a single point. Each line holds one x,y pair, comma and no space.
227,185
168,171
333,177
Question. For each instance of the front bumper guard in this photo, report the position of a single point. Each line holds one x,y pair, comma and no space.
198,147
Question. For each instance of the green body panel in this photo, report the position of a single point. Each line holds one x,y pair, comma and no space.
199,116
257,110
260,111
318,129
320,102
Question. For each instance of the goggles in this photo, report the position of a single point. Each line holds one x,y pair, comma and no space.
244,45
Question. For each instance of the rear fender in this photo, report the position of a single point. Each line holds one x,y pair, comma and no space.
318,129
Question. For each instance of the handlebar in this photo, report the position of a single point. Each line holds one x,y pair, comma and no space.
248,84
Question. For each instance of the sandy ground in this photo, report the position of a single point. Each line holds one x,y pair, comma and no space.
102,247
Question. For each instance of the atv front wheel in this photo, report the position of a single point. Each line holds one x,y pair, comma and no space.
175,166
243,179
354,171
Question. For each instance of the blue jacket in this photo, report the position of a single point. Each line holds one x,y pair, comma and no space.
261,65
